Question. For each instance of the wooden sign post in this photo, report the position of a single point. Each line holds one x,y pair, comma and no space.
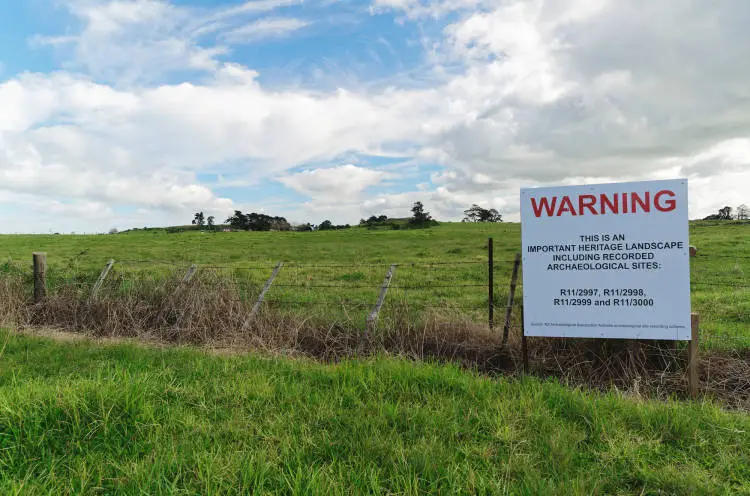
693,381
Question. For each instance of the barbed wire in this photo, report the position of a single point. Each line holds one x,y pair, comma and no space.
346,266
155,262
378,286
120,278
446,306
296,265
344,286
318,302
232,267
720,285
427,264
66,284
403,281
727,277
700,255
430,286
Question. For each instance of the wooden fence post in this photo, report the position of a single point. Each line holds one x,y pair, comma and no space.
511,297
693,384
100,281
491,284
372,319
262,295
40,276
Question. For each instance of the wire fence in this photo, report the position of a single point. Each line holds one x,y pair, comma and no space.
456,310
720,287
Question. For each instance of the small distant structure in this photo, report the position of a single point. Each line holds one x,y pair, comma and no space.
693,251
226,229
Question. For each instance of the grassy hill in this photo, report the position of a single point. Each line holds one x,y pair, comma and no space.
447,242
339,272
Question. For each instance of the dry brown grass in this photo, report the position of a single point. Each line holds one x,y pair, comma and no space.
209,312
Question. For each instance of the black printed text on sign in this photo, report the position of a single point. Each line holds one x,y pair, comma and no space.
607,260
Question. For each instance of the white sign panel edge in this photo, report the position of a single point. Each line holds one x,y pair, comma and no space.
645,270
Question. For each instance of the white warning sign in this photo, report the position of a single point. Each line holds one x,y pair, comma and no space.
607,260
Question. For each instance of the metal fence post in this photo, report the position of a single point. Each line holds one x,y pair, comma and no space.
40,276
373,317
189,274
262,295
511,297
490,284
101,279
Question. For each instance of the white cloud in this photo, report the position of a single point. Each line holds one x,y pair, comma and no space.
442,202
142,41
525,92
601,92
254,6
416,9
270,27
92,142
37,41
61,135
22,212
335,183
126,41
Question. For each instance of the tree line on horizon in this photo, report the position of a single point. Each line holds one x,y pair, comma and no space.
420,218
742,212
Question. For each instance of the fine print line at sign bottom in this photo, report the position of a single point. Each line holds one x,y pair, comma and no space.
629,326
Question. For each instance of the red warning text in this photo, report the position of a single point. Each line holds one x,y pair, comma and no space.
603,204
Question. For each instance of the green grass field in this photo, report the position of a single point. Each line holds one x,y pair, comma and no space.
86,418
83,417
336,274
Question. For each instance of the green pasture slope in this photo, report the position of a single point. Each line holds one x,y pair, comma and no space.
447,242
343,269
88,418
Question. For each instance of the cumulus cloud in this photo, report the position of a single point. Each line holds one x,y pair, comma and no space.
342,182
598,90
519,93
141,41
126,41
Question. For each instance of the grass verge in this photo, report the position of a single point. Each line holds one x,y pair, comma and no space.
210,312
87,418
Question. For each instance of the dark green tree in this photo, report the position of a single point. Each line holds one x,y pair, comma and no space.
257,222
419,217
479,214
238,221
326,225
373,221
199,220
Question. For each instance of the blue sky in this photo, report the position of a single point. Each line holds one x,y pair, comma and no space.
18,21
120,113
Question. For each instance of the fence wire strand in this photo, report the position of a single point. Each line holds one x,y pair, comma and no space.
415,286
